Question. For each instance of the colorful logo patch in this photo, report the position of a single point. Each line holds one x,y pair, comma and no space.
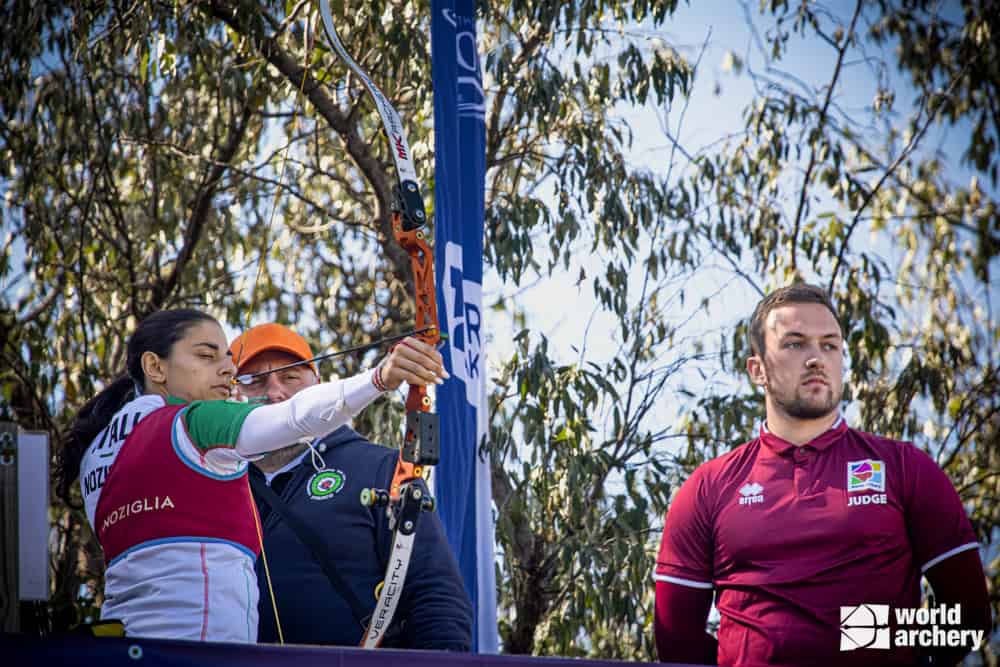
867,475
325,484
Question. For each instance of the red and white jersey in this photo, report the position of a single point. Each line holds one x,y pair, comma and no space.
180,539
788,534
172,507
101,453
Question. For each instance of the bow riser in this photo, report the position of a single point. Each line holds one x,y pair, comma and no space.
422,264
407,497
420,443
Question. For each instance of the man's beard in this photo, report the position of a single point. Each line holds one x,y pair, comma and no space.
800,407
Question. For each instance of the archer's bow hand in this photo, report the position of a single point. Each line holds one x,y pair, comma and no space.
414,362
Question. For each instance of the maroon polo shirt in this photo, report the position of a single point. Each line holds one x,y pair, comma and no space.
786,535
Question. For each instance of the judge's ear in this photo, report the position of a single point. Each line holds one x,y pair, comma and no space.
758,374
153,367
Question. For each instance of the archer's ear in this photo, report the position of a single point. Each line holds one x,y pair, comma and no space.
755,368
153,367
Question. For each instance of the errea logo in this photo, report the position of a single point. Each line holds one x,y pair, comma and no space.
751,493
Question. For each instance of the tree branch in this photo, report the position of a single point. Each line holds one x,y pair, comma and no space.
164,288
361,152
814,151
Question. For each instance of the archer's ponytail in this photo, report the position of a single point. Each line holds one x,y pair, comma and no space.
90,421
157,333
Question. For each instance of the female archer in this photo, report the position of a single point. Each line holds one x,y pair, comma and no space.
162,458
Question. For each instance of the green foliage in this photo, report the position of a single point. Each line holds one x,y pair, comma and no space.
166,154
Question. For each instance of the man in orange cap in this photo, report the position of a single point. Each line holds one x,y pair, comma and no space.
327,552
271,337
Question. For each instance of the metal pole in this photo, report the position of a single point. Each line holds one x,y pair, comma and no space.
9,593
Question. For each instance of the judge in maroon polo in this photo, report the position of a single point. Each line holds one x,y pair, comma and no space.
808,517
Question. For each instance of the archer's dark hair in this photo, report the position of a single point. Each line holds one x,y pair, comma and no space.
157,333
800,293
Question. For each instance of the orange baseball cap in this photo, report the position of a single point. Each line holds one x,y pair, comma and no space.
270,336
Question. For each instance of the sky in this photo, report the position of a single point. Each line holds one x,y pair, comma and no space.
568,314
556,305
718,33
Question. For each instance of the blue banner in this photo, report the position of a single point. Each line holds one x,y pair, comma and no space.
462,483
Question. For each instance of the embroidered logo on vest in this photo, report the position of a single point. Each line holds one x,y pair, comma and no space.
325,484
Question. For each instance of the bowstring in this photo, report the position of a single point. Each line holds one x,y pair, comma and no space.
266,248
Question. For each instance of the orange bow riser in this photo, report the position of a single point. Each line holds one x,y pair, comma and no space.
420,443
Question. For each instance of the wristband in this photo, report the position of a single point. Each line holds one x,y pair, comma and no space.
378,381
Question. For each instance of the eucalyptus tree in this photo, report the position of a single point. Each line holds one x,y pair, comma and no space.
899,225
216,154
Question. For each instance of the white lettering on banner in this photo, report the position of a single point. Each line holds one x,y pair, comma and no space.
471,99
462,298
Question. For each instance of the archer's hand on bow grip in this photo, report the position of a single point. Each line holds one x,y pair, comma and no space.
415,362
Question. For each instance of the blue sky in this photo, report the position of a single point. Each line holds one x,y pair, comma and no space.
556,305
566,312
